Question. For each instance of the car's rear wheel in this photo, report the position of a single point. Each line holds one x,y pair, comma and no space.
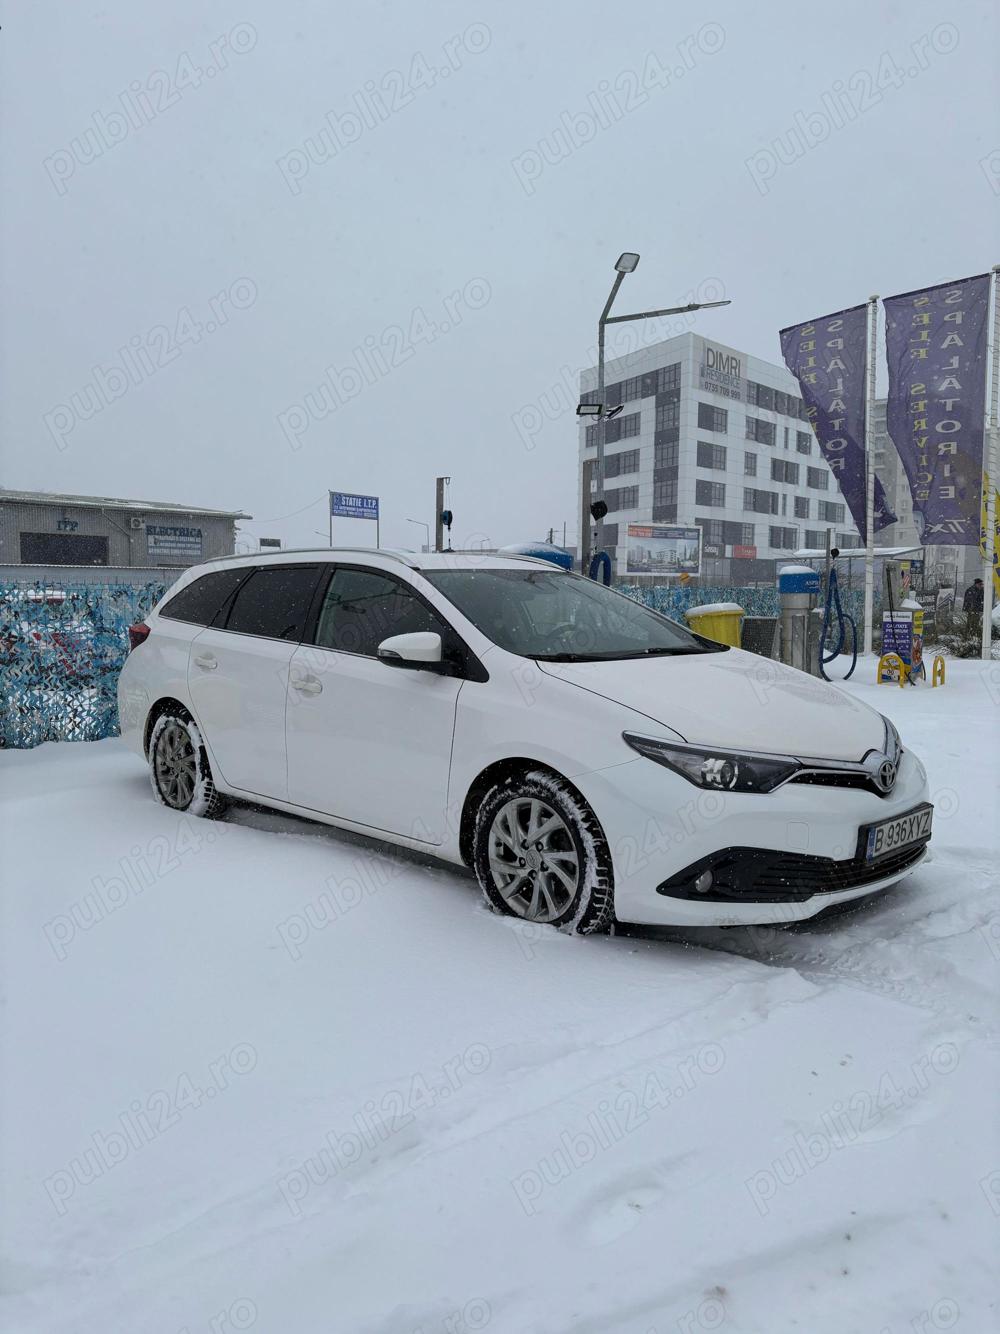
179,768
540,854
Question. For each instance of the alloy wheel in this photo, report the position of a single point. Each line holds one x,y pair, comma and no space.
533,860
176,766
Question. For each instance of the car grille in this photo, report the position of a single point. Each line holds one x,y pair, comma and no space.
755,875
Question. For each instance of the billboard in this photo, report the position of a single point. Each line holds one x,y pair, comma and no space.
345,505
721,371
658,548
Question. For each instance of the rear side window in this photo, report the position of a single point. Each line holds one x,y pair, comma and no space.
361,608
274,602
199,602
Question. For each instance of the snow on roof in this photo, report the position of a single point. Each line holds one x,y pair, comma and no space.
113,502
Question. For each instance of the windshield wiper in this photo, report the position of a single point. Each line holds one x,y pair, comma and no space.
613,656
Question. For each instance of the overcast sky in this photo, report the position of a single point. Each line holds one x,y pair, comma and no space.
354,246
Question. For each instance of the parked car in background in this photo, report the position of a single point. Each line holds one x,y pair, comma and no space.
590,758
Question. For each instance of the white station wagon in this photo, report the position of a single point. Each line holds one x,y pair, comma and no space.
589,758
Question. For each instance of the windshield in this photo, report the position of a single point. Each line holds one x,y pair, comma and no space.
561,617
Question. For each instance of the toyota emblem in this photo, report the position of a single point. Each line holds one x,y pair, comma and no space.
883,772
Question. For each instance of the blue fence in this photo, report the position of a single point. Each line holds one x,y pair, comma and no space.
61,649
675,599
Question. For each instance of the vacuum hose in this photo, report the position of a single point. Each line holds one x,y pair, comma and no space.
600,567
844,619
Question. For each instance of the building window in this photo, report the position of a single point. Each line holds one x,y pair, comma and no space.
846,540
622,498
749,464
711,530
664,493
618,428
631,388
761,431
740,534
711,418
783,470
664,513
665,454
668,415
830,512
815,537
760,502
783,539
802,442
610,534
760,394
711,456
781,402
818,479
710,493
668,377
615,465
802,507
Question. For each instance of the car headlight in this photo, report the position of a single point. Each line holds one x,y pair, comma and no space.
715,767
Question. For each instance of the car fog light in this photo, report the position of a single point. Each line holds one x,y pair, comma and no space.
703,883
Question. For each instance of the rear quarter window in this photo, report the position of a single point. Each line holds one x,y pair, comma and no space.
199,602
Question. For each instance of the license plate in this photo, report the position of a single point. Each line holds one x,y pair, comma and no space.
891,835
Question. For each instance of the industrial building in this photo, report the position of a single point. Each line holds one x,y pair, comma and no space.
710,438
42,529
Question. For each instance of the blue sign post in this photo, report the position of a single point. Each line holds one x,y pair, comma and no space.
347,505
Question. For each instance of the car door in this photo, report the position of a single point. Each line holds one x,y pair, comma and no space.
368,742
238,676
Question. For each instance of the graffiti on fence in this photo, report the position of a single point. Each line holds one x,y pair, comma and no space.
61,649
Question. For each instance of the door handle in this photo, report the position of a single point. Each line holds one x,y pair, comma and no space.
307,685
209,663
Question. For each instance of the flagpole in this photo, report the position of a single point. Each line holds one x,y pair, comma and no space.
869,611
990,464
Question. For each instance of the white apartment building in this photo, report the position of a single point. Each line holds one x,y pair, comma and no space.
713,437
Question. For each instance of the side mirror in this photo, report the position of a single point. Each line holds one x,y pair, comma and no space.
421,649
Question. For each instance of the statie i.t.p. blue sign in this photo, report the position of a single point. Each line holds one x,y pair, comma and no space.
349,505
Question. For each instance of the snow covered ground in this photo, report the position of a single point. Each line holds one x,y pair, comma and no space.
259,1075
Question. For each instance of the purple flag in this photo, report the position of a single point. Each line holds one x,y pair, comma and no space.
828,357
935,342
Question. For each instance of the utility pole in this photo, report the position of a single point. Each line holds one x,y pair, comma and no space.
439,513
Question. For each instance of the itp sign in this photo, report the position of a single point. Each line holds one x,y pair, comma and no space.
344,505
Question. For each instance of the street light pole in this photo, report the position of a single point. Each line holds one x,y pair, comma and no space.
427,531
626,263
599,463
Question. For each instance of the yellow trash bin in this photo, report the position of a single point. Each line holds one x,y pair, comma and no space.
720,621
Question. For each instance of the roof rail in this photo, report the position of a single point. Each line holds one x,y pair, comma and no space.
403,557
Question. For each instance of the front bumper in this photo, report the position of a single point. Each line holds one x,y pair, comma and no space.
659,825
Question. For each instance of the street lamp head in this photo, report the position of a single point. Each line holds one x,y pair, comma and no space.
589,409
627,262
613,412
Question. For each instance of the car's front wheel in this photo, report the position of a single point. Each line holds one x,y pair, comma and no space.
540,854
179,768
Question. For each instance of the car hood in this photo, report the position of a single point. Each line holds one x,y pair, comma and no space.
735,699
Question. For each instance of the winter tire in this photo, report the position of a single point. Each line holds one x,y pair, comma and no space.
179,768
539,854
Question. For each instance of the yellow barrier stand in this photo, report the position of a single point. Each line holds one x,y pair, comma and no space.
888,663
937,672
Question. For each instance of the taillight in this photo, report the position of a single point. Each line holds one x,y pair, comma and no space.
137,634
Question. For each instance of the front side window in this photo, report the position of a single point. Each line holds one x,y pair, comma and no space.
363,607
201,600
561,617
274,602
